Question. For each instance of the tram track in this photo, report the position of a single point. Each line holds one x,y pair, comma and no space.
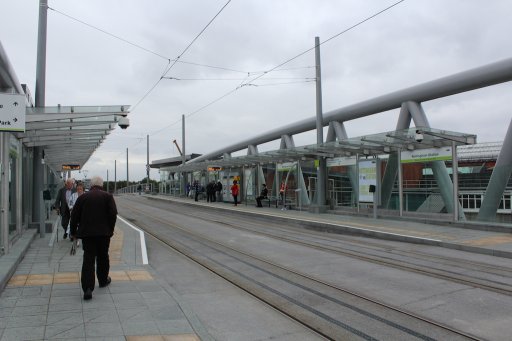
327,309
379,258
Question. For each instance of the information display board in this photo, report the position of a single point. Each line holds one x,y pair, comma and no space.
368,170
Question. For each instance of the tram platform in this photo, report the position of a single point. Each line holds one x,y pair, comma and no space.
42,297
493,239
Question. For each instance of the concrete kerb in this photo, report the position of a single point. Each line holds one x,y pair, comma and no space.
9,262
345,229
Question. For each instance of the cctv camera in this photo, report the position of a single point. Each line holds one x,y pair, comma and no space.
418,136
124,122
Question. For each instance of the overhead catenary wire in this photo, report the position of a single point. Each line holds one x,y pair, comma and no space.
329,39
236,79
169,59
180,55
108,33
263,73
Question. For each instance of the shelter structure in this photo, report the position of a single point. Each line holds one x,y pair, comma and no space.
409,102
66,137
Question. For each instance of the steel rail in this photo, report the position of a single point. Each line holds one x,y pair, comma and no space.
297,273
397,264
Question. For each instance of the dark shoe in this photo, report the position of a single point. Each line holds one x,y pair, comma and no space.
65,235
106,283
87,294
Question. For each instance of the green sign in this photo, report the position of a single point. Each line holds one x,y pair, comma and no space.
427,155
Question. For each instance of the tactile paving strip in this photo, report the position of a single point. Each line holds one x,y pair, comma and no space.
74,277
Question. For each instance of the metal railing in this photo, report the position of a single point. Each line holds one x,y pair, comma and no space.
136,189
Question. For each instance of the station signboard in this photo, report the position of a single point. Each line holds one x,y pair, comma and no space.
12,112
341,161
427,155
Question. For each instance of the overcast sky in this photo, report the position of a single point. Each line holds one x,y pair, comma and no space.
414,42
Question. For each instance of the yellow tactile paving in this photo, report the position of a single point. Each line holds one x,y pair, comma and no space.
43,279
176,337
74,277
66,277
139,275
17,281
119,276
116,247
494,240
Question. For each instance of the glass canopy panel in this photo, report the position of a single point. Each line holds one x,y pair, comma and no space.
376,144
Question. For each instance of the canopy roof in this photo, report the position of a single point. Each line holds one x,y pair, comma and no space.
69,134
368,145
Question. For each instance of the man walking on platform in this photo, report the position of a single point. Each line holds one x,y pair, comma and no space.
61,203
93,220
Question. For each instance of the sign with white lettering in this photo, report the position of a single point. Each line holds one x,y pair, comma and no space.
427,155
12,112
285,166
341,161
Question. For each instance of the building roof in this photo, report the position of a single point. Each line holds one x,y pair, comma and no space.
172,161
480,151
368,145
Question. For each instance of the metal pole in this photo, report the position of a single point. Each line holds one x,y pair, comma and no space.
455,176
40,102
357,177
115,176
322,165
400,184
107,182
147,164
183,155
127,178
41,54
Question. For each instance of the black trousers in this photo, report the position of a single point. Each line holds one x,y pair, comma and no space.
95,251
65,216
258,200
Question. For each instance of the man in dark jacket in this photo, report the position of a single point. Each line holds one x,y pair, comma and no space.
93,219
218,189
61,203
263,195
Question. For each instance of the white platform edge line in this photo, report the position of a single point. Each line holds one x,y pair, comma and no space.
351,227
142,240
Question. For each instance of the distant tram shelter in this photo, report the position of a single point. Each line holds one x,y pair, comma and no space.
355,167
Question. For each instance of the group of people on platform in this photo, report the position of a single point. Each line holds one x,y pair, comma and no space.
214,192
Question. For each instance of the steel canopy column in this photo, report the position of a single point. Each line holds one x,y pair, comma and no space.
260,178
499,179
4,190
390,174
439,169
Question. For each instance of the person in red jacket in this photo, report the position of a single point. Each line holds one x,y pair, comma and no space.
234,191
93,220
